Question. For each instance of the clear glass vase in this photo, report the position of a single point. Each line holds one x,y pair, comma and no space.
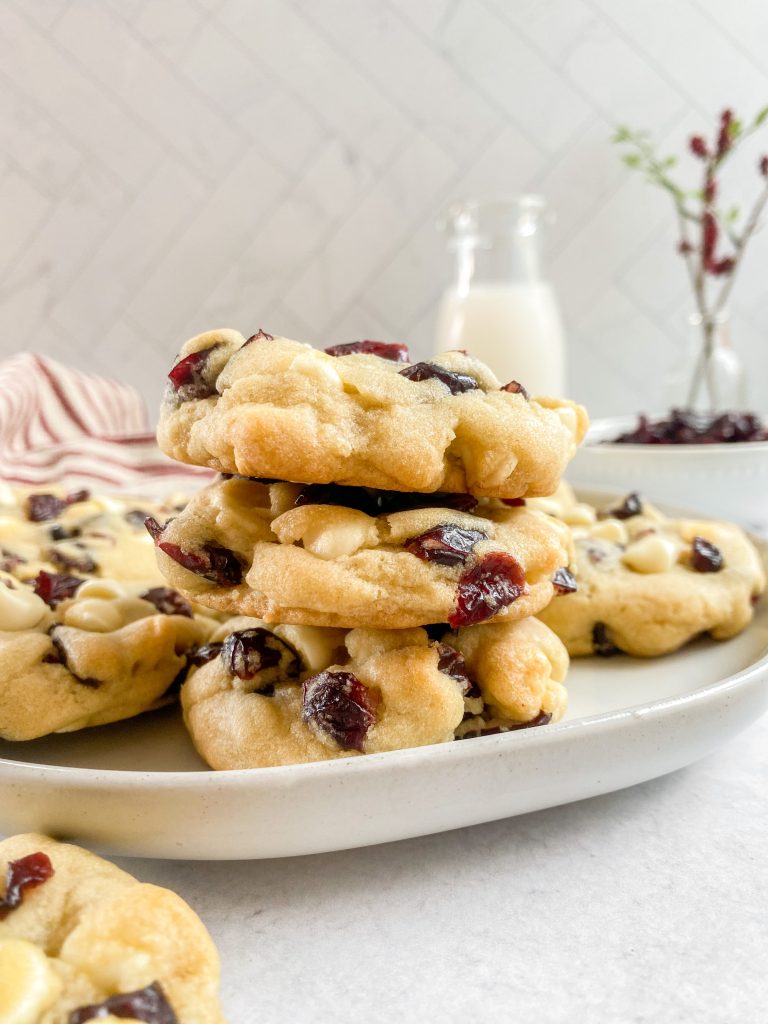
499,306
711,378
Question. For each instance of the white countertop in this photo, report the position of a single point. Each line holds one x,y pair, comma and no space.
646,905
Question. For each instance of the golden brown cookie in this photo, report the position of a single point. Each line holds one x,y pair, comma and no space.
88,652
80,938
647,584
312,556
362,415
276,694
89,633
79,532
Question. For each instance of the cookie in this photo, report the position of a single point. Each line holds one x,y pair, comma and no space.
647,584
80,652
312,556
89,633
362,415
269,695
82,940
61,531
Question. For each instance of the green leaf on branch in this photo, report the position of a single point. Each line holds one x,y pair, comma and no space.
762,115
631,159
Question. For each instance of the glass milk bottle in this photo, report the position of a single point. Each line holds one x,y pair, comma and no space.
499,307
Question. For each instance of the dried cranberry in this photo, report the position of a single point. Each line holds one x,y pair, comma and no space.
248,652
682,426
383,349
21,875
564,581
58,656
446,545
47,506
631,506
516,388
260,335
514,502
601,645
457,383
78,563
338,704
452,663
595,554
135,517
54,587
58,532
154,529
705,557
543,718
189,377
167,601
211,561
9,560
214,563
202,655
494,583
44,506
146,1004
375,502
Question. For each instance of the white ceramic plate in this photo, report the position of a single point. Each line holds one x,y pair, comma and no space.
137,788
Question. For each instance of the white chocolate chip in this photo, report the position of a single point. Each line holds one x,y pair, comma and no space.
20,608
328,531
651,554
568,418
107,589
283,497
316,645
580,515
611,529
94,615
318,366
28,983
337,541
549,505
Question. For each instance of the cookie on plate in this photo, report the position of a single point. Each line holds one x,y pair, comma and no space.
333,556
78,652
280,694
62,531
647,584
82,940
363,415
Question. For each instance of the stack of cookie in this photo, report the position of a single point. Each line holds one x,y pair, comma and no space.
385,595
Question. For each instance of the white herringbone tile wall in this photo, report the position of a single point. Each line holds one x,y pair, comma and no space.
174,165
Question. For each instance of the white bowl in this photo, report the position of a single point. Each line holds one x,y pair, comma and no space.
727,481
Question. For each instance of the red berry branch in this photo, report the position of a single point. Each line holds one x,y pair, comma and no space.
703,224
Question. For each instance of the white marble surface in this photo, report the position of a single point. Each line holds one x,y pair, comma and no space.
646,905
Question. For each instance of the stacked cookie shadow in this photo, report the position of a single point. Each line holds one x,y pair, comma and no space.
368,545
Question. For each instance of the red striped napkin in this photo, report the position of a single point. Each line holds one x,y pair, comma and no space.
59,425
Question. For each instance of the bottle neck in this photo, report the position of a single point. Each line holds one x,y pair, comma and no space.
497,261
